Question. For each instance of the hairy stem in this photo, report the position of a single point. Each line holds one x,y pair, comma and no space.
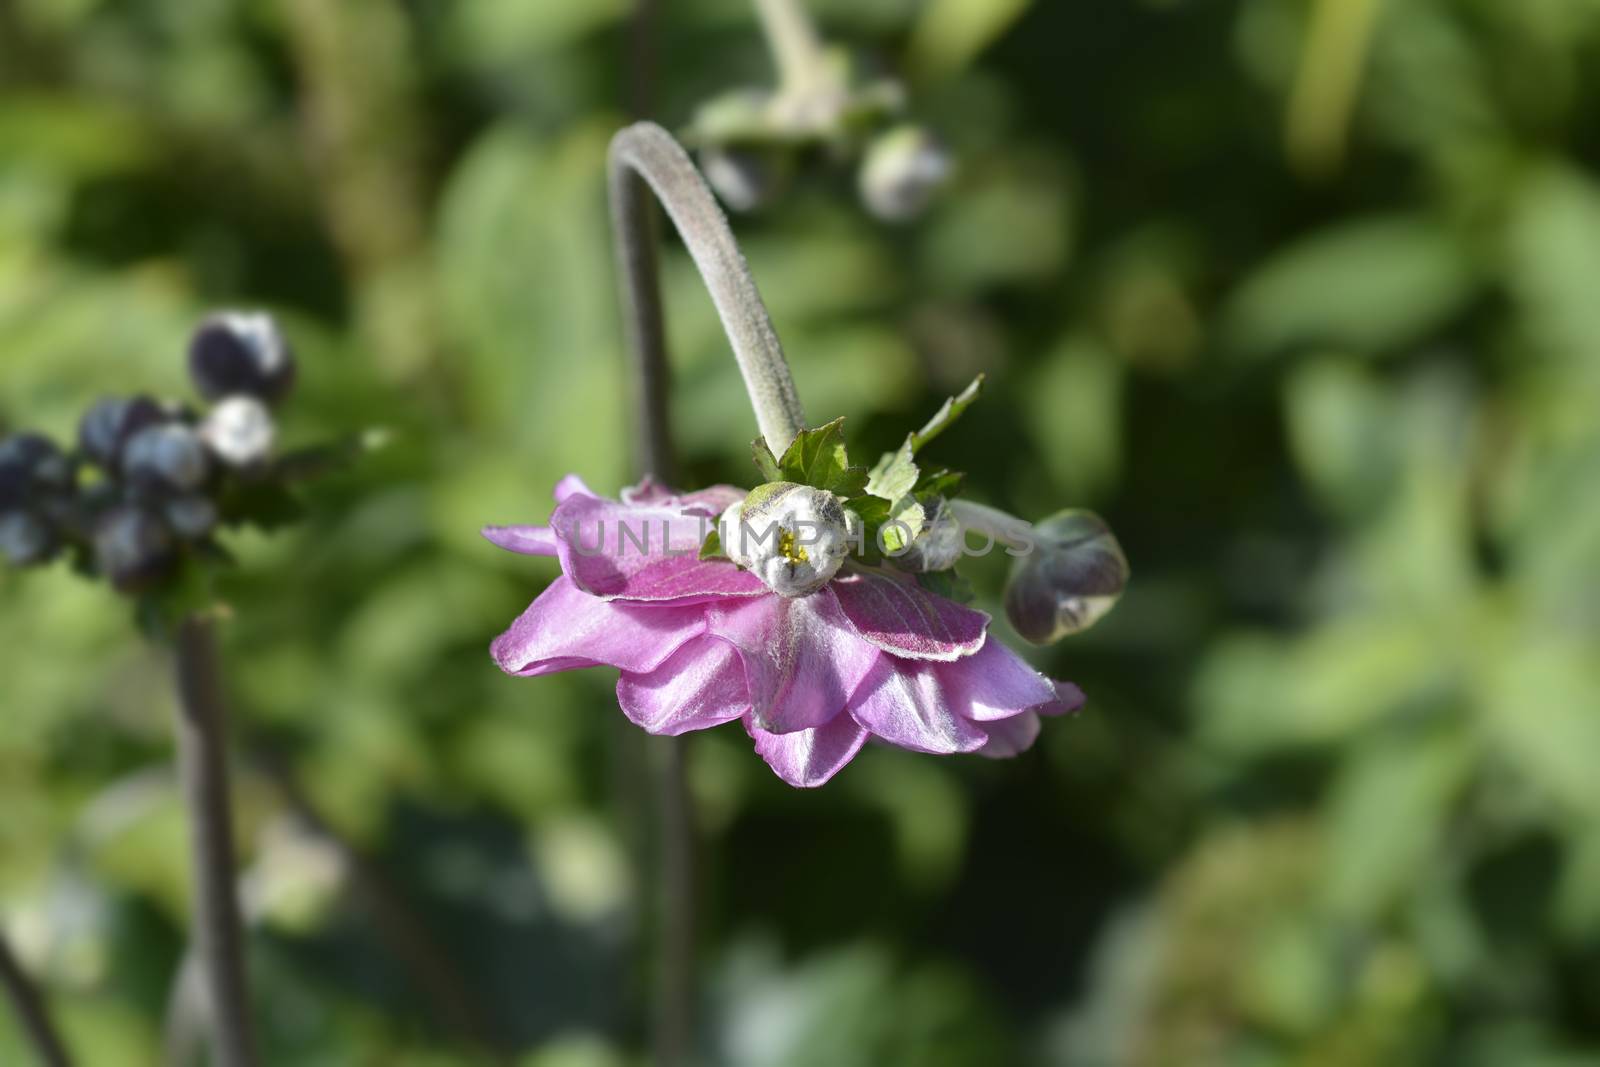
796,47
203,769
1002,526
29,1005
646,160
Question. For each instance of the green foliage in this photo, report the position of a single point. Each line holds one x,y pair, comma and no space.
1306,313
817,458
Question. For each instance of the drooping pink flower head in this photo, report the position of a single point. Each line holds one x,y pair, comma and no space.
803,628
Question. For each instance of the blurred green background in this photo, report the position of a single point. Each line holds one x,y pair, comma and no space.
1300,294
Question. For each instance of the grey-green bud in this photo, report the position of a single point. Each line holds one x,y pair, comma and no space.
25,538
902,171
746,178
1073,576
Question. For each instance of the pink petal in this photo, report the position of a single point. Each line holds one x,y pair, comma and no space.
526,540
994,683
566,628
802,661
807,758
712,500
699,686
646,554
1010,737
906,620
570,486
1068,699
907,704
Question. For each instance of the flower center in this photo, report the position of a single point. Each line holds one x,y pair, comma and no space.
790,550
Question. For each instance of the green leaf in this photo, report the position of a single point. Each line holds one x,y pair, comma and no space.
895,475
906,519
943,482
818,458
948,413
850,484
266,504
711,548
766,463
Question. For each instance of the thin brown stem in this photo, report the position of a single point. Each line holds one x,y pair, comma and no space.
431,969
29,1005
203,768
675,968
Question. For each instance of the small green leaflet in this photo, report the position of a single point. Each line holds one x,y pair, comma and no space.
947,414
765,463
878,514
711,548
816,458
896,474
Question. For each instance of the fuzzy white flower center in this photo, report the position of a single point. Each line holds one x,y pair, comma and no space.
793,537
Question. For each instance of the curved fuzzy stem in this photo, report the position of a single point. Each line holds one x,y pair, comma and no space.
203,769
31,1011
645,160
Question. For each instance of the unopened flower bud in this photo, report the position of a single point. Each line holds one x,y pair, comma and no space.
746,178
237,353
902,170
31,461
1073,576
240,430
793,537
168,456
106,427
25,538
936,547
191,517
133,548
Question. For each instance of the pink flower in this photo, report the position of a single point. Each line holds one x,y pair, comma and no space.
702,642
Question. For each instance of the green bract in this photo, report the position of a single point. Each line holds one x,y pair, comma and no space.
893,500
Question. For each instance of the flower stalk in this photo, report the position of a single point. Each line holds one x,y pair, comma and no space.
795,44
647,162
203,770
29,1005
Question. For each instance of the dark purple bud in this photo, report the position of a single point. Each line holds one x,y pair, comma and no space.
240,430
32,461
237,353
1074,575
168,456
106,427
25,538
191,517
133,548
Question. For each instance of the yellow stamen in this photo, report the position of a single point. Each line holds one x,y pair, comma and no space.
789,550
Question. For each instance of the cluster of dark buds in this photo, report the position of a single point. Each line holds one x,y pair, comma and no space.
149,482
827,113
